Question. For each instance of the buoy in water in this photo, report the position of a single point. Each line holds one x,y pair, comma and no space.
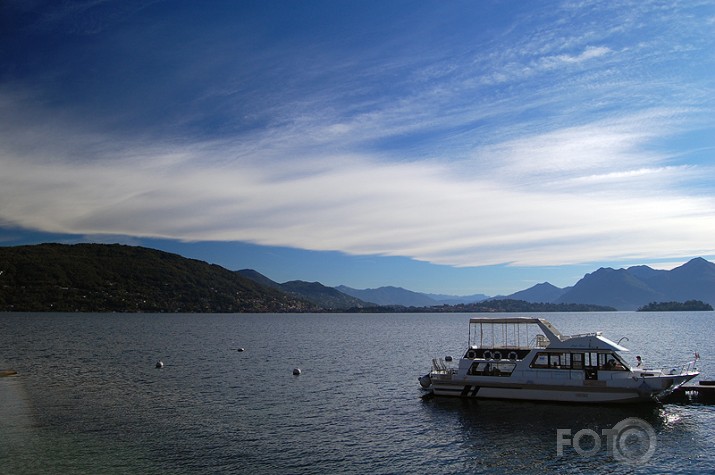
240,349
447,358
159,364
296,371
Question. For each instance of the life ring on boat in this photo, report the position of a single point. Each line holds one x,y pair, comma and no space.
487,355
471,354
497,355
512,355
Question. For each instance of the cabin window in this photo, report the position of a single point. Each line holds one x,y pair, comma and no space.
591,360
567,360
564,361
556,360
480,368
541,360
603,361
614,363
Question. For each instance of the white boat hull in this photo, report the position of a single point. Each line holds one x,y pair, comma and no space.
545,394
579,392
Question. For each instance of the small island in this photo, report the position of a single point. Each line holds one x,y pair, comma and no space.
687,306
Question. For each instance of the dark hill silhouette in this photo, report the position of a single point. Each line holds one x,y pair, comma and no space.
118,278
327,298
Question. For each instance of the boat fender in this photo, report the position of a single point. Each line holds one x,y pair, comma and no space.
497,355
471,354
512,355
425,381
487,355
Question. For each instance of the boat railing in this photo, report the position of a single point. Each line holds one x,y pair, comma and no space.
538,341
685,368
675,370
503,347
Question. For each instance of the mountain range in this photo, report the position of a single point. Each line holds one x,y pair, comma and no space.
113,277
398,296
623,289
631,288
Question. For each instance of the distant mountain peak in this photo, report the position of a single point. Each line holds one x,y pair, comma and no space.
545,285
698,263
544,292
390,295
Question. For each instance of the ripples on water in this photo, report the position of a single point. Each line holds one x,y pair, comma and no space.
89,400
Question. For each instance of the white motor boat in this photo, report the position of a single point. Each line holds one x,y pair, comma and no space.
528,359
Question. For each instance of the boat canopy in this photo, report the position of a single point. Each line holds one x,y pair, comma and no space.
512,332
524,332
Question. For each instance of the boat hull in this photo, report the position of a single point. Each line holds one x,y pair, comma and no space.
586,392
541,394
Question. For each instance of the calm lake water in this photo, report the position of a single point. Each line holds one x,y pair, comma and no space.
88,398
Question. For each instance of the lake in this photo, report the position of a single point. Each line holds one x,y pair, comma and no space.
88,398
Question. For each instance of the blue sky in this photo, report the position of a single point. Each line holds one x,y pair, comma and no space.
448,147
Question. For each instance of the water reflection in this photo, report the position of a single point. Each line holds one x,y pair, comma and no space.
515,436
16,419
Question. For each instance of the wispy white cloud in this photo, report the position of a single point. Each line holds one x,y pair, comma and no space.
538,200
590,52
536,147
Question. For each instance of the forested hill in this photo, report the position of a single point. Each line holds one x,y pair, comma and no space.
118,278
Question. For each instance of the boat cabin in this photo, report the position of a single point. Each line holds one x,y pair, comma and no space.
497,344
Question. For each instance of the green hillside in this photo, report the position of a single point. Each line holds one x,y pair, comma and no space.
118,278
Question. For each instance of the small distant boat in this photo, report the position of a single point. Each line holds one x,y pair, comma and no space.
528,359
7,372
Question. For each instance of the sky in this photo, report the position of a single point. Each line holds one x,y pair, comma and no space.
455,147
